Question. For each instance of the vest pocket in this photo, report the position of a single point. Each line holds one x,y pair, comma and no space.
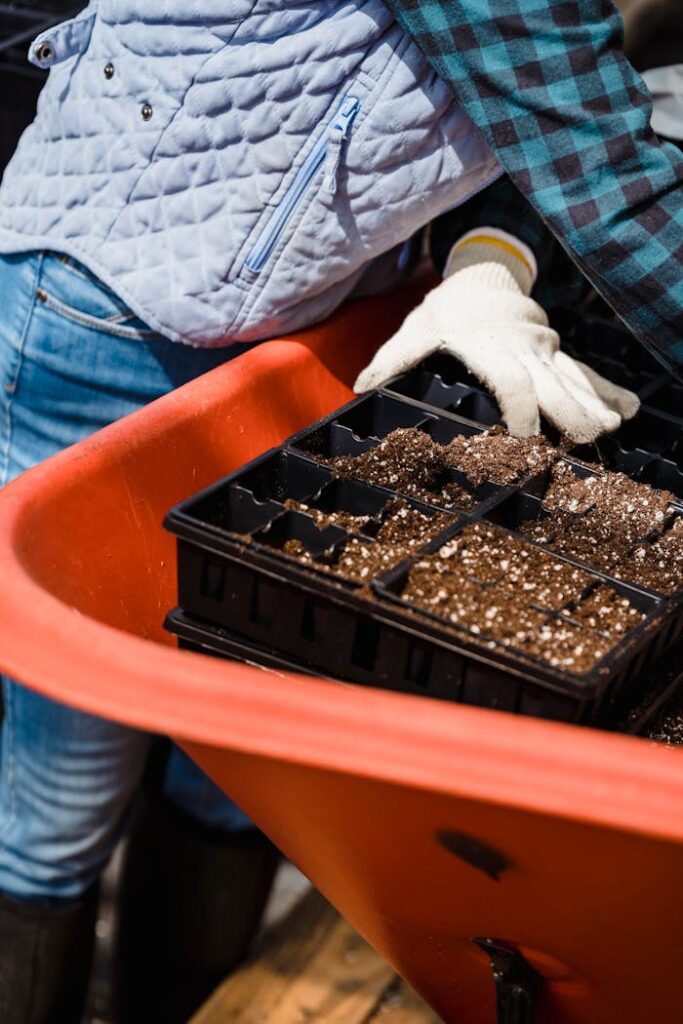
327,151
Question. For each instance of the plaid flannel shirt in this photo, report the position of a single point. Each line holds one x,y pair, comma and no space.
547,83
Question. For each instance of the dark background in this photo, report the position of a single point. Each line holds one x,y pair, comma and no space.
20,82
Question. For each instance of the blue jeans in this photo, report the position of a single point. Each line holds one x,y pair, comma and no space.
73,359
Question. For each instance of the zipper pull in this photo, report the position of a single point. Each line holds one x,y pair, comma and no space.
337,133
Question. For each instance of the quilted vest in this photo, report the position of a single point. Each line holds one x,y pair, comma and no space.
233,170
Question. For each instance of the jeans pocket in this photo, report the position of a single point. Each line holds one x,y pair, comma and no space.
123,324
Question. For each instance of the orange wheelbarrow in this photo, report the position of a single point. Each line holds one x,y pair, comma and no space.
510,869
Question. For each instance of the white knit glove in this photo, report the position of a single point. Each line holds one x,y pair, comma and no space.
482,314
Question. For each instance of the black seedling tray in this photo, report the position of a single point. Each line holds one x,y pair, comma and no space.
633,714
608,347
443,383
203,639
648,448
526,506
234,573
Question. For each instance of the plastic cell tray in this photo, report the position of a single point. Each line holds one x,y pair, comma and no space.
648,449
444,383
234,572
633,715
609,348
203,639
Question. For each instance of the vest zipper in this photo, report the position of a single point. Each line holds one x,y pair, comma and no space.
337,130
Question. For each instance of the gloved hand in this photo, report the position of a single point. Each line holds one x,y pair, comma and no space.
482,314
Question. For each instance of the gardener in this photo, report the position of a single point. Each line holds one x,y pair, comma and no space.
194,182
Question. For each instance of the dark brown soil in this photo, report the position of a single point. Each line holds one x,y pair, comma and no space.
570,492
403,524
442,588
546,529
565,646
452,496
668,729
297,550
491,614
407,461
480,552
634,510
657,566
608,515
504,591
606,611
403,530
595,539
497,456
344,520
535,576
361,559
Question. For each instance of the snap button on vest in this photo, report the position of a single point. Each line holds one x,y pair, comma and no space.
45,51
109,70
146,112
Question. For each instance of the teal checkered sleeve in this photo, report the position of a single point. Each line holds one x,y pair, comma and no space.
547,83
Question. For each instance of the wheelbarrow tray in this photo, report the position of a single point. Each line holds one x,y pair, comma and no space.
428,825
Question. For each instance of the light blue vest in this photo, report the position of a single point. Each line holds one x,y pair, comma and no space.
233,168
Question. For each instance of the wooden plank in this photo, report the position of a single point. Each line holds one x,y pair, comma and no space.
401,1005
342,984
263,981
315,968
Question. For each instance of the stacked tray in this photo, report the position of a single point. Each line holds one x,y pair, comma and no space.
277,564
648,449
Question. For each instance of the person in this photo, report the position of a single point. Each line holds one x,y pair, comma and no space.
197,182
571,123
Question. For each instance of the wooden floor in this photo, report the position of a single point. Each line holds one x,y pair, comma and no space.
314,968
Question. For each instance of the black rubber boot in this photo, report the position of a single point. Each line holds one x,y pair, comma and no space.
191,902
45,958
